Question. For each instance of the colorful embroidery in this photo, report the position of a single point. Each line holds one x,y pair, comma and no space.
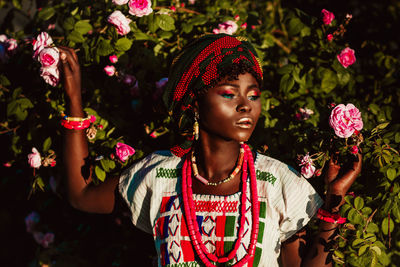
265,176
184,264
215,206
167,173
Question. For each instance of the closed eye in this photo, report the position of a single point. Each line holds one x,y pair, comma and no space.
227,95
254,97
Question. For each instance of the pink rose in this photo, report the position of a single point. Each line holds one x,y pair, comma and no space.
329,37
327,16
129,79
34,159
31,220
51,75
192,2
123,151
3,38
110,70
120,22
42,40
49,57
12,44
43,239
346,57
113,59
308,170
140,8
345,120
120,2
305,113
215,31
228,27
354,149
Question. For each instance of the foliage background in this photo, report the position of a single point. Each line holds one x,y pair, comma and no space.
300,69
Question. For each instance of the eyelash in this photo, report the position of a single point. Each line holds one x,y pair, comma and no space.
230,96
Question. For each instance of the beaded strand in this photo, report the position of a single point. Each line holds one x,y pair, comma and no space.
190,215
227,179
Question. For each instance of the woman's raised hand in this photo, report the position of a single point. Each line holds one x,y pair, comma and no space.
339,179
71,72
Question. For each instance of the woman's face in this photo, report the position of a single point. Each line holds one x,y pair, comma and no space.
230,110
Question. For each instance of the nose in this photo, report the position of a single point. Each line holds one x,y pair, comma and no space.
243,105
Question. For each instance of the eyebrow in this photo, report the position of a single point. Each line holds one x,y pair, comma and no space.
237,86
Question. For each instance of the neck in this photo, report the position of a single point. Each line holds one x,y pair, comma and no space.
216,157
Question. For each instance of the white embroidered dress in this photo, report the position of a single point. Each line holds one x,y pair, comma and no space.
152,190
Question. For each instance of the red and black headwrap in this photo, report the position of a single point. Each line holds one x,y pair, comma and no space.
198,65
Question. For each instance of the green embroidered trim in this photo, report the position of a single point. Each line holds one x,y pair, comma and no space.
265,176
184,264
167,173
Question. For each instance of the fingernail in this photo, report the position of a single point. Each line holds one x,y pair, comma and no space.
63,56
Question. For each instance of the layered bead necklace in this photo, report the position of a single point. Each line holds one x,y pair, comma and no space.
227,179
190,214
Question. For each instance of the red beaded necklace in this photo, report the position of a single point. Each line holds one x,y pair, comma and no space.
190,214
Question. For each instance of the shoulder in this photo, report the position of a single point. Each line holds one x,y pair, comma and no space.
273,170
161,162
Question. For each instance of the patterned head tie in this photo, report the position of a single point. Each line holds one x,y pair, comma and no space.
197,67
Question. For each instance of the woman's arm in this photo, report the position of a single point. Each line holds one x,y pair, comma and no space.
82,194
295,251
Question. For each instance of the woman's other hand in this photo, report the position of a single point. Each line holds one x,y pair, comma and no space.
339,179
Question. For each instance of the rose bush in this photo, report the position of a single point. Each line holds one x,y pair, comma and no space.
305,72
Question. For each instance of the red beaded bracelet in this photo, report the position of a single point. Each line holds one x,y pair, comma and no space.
330,217
75,123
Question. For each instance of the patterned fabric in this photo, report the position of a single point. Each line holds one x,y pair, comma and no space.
153,193
196,68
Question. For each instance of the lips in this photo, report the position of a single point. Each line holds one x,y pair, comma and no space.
245,123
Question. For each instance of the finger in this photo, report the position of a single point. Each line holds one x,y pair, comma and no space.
68,60
74,55
65,64
350,176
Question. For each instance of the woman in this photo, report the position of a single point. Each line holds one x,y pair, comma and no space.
211,201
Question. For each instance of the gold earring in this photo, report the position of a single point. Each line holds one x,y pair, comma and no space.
196,126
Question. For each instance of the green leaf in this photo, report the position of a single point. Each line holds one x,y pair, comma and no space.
69,23
374,108
287,83
295,26
397,137
288,68
391,173
46,13
372,228
4,80
199,20
12,107
382,125
329,81
104,48
153,21
362,249
76,37
123,44
387,225
357,242
166,23
358,203
17,4
83,26
377,250
46,144
100,174
343,77
187,27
